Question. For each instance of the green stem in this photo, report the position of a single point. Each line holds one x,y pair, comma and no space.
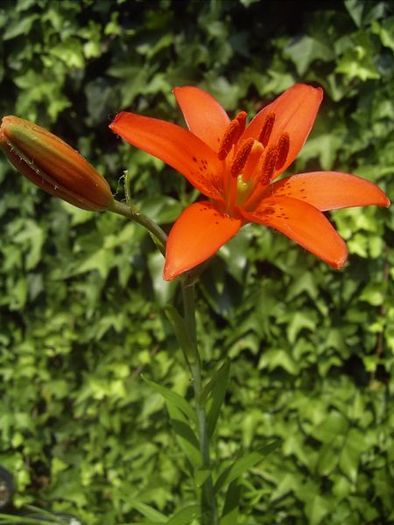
127,188
131,212
208,503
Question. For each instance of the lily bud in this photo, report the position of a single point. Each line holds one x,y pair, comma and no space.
53,165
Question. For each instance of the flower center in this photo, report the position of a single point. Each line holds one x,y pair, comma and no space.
250,163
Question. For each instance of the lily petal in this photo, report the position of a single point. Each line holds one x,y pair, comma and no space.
305,225
198,233
177,147
330,190
295,113
203,114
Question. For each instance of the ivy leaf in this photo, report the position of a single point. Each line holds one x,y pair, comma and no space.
305,50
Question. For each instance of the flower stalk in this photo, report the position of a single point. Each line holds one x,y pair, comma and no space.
207,496
131,212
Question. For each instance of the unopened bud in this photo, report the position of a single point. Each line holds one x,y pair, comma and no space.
53,165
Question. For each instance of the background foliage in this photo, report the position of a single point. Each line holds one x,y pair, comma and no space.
81,295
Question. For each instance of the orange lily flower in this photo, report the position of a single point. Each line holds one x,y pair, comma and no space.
236,165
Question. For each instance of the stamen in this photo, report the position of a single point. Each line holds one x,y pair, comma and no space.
283,150
266,130
271,158
232,134
241,156
241,117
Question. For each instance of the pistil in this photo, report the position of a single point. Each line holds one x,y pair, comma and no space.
252,161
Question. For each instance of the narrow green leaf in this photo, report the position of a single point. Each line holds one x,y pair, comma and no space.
185,432
218,388
185,436
181,414
37,517
185,516
201,476
42,512
145,522
149,512
243,464
181,333
7,519
231,505
172,398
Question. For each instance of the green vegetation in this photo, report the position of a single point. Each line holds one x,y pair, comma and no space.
82,300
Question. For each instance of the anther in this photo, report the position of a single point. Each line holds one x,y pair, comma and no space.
266,130
241,118
232,134
271,158
283,150
242,156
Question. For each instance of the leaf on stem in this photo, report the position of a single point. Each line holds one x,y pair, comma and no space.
243,464
185,516
231,505
181,333
185,436
182,418
148,512
201,476
173,399
214,392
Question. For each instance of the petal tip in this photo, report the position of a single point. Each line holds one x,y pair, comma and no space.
115,121
169,274
340,262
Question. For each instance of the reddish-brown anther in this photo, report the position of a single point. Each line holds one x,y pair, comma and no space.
232,134
270,161
282,150
266,130
241,156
